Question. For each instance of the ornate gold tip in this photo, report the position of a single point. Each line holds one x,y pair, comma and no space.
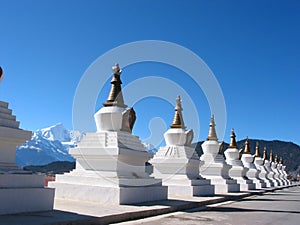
265,154
271,156
212,135
232,140
280,161
247,147
178,119
257,154
115,97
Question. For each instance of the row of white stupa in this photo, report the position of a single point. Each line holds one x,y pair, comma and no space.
110,164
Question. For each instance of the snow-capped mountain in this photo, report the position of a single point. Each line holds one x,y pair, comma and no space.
48,145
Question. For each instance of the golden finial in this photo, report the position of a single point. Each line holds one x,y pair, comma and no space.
280,161
265,157
257,150
178,119
271,156
232,140
212,135
247,147
115,97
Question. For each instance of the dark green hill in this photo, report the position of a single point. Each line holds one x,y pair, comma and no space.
54,167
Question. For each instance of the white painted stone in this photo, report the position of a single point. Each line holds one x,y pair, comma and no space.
270,173
276,174
178,167
259,163
20,191
253,172
216,169
177,164
238,171
285,174
110,165
281,175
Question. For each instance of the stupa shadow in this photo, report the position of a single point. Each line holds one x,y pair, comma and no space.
169,202
234,209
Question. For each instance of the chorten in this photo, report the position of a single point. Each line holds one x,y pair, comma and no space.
248,162
284,174
177,163
20,190
213,165
110,163
267,165
281,174
259,163
274,166
237,171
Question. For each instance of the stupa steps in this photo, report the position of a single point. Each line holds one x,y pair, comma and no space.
9,123
5,110
3,104
7,116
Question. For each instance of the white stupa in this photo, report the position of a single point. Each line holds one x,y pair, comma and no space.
274,165
110,163
285,175
267,164
20,191
213,165
259,163
177,164
237,171
280,172
253,172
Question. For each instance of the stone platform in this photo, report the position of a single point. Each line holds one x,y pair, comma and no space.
81,213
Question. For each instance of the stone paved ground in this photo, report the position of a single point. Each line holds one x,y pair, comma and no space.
280,207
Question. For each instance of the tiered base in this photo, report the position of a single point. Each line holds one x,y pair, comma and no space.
84,187
185,187
253,174
217,173
24,193
223,186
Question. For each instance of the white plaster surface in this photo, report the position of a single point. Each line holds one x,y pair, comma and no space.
20,191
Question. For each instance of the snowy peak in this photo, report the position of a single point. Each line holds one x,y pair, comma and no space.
55,133
48,145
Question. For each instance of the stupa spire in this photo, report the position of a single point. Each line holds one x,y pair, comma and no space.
212,135
115,97
178,119
271,156
1,74
265,157
232,140
280,161
247,147
257,154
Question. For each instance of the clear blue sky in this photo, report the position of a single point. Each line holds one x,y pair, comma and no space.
253,48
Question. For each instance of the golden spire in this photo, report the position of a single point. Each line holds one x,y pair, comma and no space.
280,161
178,119
212,135
115,97
271,156
232,140
257,150
247,147
276,158
265,154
